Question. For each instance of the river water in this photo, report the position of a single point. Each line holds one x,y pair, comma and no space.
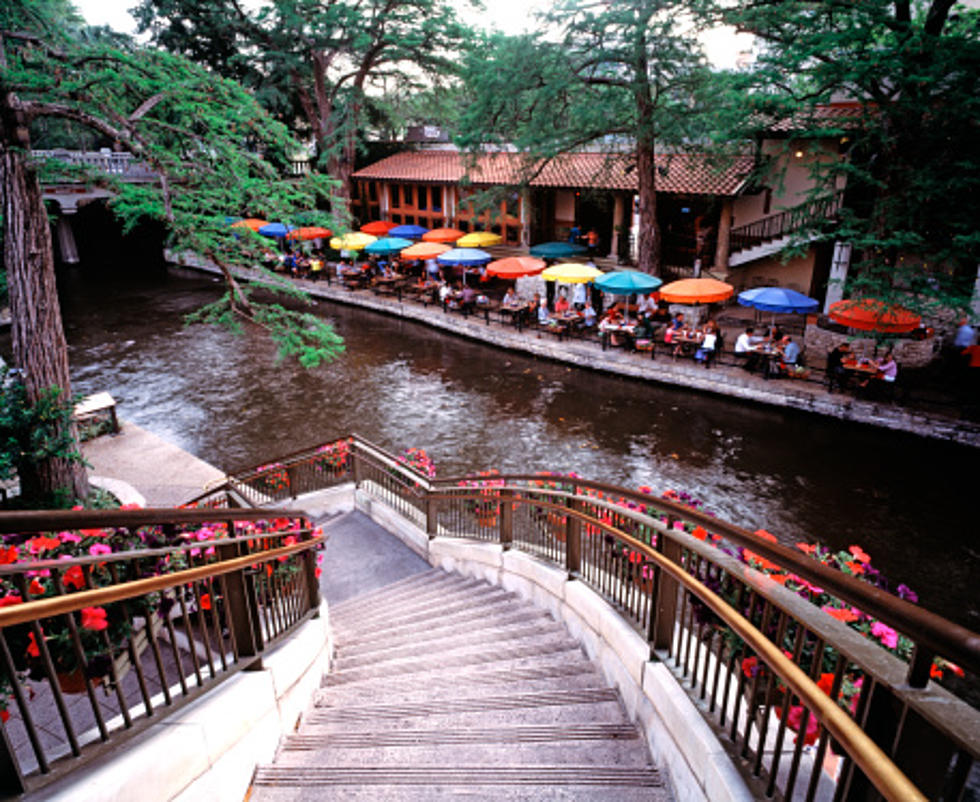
907,501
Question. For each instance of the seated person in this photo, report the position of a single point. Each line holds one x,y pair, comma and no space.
578,296
544,317
611,322
789,354
678,322
532,311
836,373
588,314
561,304
709,344
744,345
510,300
467,299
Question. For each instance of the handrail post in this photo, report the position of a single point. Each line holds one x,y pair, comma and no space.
506,519
355,464
242,606
665,603
312,581
573,540
431,514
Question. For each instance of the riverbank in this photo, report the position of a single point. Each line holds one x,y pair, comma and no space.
721,380
163,473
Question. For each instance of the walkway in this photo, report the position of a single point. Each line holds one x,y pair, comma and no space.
721,380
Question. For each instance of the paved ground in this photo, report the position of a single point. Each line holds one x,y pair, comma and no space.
163,473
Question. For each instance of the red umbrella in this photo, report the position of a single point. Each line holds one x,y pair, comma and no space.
378,228
443,235
309,232
516,266
871,314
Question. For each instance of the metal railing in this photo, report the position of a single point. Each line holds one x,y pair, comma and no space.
808,707
122,165
807,215
165,605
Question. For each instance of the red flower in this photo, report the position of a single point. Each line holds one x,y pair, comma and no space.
935,672
74,578
42,543
762,533
206,601
844,614
859,554
955,669
750,667
94,618
318,572
37,587
855,567
826,683
699,532
32,649
13,598
779,578
795,718
4,716
8,555
807,548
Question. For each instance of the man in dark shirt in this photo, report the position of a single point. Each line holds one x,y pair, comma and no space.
836,374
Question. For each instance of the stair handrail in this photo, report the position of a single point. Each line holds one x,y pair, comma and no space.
784,222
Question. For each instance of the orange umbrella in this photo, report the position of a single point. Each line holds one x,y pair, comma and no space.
696,291
516,266
309,232
870,314
250,222
442,235
425,250
378,228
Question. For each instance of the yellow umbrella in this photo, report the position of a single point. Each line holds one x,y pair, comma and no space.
351,241
571,273
479,239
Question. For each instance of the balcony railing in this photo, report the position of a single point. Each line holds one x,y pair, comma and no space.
163,606
121,165
748,650
814,214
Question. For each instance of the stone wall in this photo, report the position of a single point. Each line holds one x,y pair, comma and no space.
908,353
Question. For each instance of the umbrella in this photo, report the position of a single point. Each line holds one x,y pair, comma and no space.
412,232
425,250
309,232
778,299
378,228
351,241
571,273
442,235
624,282
464,256
387,245
479,239
253,223
870,314
696,291
277,230
515,267
557,250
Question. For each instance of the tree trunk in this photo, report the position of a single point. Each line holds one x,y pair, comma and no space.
648,239
39,346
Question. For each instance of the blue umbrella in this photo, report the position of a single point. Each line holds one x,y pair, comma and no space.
387,245
778,299
412,232
624,282
277,230
557,250
464,256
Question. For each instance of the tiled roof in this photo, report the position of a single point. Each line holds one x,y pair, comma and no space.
676,173
830,115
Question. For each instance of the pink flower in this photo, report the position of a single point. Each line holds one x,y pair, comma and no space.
884,633
69,537
99,548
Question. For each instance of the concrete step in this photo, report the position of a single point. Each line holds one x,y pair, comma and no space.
583,744
417,608
439,782
490,601
420,580
449,641
468,681
501,613
518,652
380,607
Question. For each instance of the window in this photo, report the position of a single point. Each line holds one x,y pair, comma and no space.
463,225
396,218
407,189
409,220
436,199
373,190
395,202
512,204
423,198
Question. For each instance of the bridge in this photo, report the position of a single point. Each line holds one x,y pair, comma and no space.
503,636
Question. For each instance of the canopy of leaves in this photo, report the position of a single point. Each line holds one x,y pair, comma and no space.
911,158
216,151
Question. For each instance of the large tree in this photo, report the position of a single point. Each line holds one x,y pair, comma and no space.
629,76
910,146
314,63
216,152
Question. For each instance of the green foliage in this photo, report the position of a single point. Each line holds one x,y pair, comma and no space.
30,434
218,153
910,155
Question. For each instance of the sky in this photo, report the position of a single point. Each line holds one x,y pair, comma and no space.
509,16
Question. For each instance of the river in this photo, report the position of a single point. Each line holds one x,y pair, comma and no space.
907,501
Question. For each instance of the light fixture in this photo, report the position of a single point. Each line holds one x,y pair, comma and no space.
799,154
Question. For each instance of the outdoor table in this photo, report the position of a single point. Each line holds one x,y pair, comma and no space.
686,343
608,330
862,369
515,315
767,354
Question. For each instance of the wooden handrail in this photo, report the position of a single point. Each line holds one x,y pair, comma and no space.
56,520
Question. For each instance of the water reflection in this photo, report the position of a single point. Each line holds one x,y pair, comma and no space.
906,500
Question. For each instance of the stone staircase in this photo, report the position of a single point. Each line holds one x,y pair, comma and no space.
445,687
